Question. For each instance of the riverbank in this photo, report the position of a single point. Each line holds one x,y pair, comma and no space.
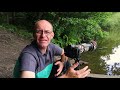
10,48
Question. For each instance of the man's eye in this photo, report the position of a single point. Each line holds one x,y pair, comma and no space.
36,31
46,32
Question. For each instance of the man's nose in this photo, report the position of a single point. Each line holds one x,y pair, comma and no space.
42,34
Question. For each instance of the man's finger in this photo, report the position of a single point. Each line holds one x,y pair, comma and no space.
58,72
75,65
85,68
86,73
56,63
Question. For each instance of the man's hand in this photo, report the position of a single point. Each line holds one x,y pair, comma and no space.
71,73
60,67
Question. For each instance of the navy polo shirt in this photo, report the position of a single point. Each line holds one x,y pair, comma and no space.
31,59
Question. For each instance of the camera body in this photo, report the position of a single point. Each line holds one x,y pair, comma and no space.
74,51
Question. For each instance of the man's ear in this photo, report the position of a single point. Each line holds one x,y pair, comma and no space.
52,35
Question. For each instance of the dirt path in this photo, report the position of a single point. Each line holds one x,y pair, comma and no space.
10,47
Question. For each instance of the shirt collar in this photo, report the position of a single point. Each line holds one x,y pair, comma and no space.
35,44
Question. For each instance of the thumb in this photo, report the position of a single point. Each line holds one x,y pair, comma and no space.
56,63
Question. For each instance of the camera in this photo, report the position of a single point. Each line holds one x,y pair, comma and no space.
74,51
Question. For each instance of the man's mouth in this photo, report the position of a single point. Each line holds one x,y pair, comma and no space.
43,40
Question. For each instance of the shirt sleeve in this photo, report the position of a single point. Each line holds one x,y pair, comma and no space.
27,62
57,50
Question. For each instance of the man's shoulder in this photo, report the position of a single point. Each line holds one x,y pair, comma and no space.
52,44
29,48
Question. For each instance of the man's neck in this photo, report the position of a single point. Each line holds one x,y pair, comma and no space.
43,51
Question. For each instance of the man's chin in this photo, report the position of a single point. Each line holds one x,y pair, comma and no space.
43,45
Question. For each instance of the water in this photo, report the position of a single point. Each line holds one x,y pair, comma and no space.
112,61
104,60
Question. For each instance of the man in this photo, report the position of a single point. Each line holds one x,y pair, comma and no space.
36,60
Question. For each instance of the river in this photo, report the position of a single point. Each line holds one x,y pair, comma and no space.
104,60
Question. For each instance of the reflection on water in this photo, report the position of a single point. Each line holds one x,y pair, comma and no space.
113,61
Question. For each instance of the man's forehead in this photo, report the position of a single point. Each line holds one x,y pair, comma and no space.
43,24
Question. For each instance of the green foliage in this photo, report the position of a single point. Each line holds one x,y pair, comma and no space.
75,30
9,27
20,32
69,27
101,18
113,23
66,32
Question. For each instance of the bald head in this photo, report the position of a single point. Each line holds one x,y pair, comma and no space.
43,33
43,24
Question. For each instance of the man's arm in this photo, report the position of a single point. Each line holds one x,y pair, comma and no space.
61,63
63,57
27,74
28,64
